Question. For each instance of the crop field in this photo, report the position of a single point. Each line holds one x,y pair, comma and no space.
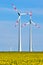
21,58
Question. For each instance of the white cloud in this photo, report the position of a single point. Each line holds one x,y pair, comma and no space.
38,11
7,9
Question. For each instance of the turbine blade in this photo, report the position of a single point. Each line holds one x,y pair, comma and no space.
25,24
15,8
30,13
24,13
35,24
17,22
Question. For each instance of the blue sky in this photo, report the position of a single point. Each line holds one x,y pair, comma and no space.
8,17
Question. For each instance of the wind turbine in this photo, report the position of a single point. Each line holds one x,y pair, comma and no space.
30,23
18,22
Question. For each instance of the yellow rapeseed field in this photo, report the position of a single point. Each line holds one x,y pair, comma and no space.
21,58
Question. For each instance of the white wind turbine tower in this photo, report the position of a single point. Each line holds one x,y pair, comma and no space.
18,22
30,30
